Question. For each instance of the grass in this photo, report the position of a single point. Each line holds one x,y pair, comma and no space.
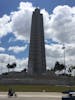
35,88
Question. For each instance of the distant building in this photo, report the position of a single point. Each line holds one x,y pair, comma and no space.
37,61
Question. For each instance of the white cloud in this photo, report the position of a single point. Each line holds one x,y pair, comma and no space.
5,25
63,23
53,53
21,21
54,50
26,6
17,49
22,64
5,59
2,49
56,53
58,26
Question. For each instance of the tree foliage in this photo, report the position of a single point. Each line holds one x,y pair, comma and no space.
71,68
11,66
58,66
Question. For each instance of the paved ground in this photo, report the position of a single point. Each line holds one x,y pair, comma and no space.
32,96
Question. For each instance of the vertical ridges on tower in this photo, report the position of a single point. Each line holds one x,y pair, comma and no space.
37,61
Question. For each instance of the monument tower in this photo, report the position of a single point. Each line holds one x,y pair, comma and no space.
37,61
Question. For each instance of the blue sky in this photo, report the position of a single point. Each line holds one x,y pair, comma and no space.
58,21
6,6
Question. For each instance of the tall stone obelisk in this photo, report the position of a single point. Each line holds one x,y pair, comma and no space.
37,60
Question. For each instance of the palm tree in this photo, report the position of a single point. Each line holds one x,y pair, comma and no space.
8,66
59,66
12,66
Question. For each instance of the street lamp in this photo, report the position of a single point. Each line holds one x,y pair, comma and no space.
64,52
1,66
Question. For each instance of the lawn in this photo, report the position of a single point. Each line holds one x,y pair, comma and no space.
35,88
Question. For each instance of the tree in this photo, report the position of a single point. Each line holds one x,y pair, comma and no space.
24,70
71,68
8,66
62,66
12,66
59,66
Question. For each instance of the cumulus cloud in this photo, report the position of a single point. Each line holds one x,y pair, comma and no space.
54,50
58,26
21,21
55,53
5,59
5,25
63,23
17,49
2,49
22,64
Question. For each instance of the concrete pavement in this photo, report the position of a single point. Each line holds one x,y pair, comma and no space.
33,96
